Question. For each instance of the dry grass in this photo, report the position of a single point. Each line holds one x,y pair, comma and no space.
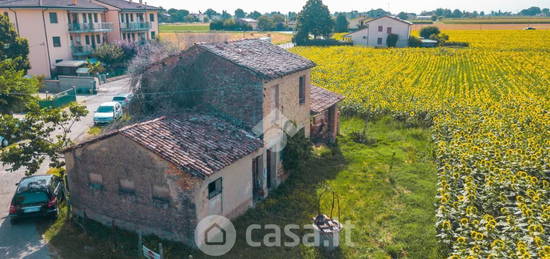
185,40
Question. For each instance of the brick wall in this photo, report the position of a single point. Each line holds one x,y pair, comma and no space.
136,212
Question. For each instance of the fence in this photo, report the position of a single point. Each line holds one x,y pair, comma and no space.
59,100
82,84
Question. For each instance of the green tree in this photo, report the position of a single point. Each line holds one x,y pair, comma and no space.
109,54
265,23
239,13
427,32
43,134
341,23
531,11
211,13
254,15
12,46
16,90
314,19
403,16
414,42
392,40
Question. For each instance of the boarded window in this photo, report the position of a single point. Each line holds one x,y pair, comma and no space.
161,193
127,186
380,28
302,90
215,188
56,41
53,18
96,181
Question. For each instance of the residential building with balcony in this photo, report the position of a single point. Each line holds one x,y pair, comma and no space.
132,21
60,30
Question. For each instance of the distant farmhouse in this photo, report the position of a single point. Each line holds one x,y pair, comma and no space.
253,23
61,30
164,175
376,32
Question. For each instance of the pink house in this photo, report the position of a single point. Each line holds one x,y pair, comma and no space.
59,30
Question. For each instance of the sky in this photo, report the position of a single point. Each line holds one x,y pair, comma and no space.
394,6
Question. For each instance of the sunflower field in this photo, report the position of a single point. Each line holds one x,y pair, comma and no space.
489,111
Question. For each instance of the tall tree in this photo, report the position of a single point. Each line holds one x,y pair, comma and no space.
239,13
12,46
531,11
210,13
265,23
342,23
314,19
16,90
225,15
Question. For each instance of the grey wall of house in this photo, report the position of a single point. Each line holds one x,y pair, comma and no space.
138,212
68,82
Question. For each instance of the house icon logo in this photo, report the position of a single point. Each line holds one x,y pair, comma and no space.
215,235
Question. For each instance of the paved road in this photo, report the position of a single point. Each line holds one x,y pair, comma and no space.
24,240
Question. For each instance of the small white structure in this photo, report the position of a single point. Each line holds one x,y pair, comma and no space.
377,31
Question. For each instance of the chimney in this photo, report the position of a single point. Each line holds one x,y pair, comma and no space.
74,2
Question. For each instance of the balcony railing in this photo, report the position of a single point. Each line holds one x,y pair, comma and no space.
82,50
135,26
91,27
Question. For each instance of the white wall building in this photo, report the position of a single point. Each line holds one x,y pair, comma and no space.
377,31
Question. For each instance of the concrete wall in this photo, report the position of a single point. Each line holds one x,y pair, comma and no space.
236,196
110,158
35,26
399,28
291,110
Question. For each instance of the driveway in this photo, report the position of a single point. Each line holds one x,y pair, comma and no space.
23,240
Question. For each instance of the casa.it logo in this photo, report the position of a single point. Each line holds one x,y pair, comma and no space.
215,235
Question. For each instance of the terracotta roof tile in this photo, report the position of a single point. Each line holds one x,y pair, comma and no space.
198,144
259,56
322,99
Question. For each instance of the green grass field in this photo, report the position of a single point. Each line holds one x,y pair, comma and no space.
187,27
387,191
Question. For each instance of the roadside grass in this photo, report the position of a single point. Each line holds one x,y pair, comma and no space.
94,131
387,191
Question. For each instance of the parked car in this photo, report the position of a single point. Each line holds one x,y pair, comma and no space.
107,113
36,196
530,28
123,99
3,142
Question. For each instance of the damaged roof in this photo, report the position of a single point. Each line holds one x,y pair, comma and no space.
196,143
322,99
260,56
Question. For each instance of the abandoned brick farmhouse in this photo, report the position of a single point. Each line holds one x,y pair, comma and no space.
162,176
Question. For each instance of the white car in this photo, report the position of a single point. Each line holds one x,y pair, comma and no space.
107,113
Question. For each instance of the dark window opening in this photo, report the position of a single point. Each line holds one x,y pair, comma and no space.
215,188
380,28
302,90
153,36
98,39
379,41
53,18
95,17
87,39
389,30
56,41
152,17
